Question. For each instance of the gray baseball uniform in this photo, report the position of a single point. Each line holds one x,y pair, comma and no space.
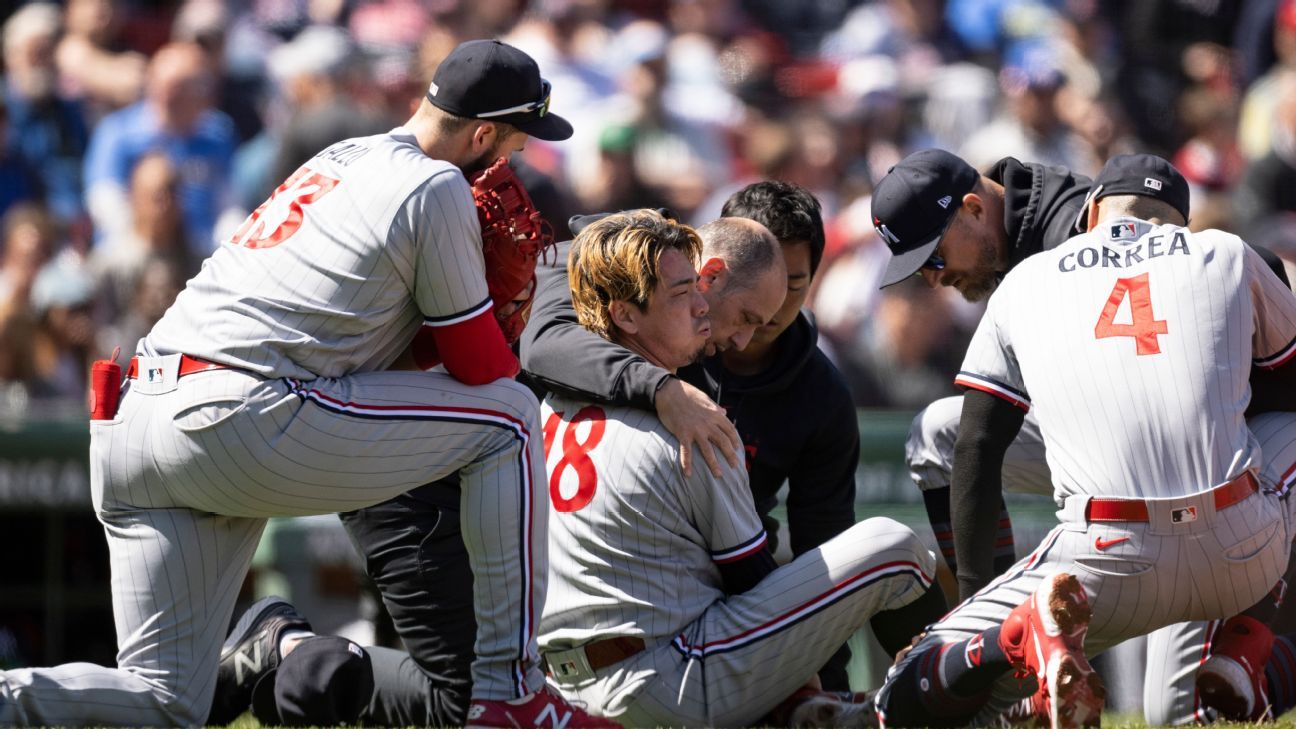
1133,344
634,548
321,288
1174,653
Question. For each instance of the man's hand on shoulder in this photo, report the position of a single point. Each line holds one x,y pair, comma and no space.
697,421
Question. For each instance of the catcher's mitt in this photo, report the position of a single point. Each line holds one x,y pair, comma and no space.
514,236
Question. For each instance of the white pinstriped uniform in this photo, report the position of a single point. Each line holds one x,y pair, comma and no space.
1175,652
1165,425
319,291
634,550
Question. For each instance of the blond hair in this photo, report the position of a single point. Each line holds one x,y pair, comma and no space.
618,258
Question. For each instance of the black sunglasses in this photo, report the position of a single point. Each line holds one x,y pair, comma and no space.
936,262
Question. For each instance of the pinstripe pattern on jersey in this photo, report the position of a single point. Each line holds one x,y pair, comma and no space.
1279,358
1199,711
746,549
449,319
998,389
527,516
803,611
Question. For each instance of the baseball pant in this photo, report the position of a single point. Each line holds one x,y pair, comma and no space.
414,552
1174,653
1163,572
747,653
185,475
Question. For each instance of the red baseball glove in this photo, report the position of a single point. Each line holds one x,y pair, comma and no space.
514,237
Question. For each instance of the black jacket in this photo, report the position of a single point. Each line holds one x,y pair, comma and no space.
797,422
1042,205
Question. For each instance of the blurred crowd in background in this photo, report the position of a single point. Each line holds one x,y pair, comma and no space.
137,134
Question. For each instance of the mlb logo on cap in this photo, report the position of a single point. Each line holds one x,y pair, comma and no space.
1143,174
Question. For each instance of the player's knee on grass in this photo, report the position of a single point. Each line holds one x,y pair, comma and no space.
324,681
929,448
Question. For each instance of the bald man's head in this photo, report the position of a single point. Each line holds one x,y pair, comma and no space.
744,279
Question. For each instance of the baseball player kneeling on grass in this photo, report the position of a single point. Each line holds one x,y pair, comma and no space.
263,392
956,228
1163,519
665,608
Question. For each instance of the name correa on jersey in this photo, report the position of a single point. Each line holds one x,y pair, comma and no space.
1104,257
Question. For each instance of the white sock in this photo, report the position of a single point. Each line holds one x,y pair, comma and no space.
288,639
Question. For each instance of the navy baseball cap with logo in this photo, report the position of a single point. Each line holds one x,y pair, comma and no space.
914,204
1143,174
493,81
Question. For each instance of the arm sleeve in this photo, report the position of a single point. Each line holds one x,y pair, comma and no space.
989,365
821,485
440,222
554,339
986,429
1273,343
723,512
1273,372
449,272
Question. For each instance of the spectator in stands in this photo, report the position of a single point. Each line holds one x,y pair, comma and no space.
46,130
157,284
905,353
1269,185
176,116
156,233
314,71
1028,126
19,180
27,243
62,300
91,63
1257,114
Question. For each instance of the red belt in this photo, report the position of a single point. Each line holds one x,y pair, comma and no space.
1137,510
188,366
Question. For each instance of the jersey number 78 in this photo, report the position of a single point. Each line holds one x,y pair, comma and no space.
575,454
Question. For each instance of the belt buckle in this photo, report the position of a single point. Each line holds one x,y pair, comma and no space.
571,665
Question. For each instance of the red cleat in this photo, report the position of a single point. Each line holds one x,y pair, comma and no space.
1232,680
544,709
1044,637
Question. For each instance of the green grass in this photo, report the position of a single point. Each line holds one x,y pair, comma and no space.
1110,721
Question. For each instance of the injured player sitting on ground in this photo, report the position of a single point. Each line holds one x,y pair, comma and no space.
665,607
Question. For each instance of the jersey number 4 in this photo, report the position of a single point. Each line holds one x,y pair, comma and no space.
1144,327
575,454
278,218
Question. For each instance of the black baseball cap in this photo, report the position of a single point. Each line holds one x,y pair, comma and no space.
914,204
1143,174
326,680
490,80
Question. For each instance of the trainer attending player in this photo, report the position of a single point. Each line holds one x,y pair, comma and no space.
766,391
666,607
1148,497
262,392
954,227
